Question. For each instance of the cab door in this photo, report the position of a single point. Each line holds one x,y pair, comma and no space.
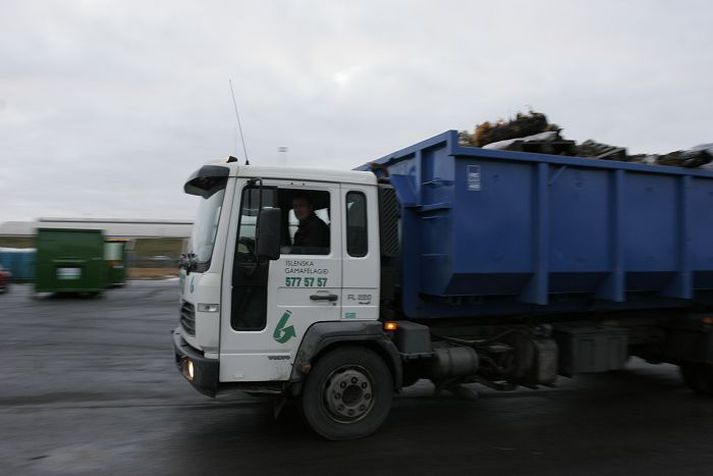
268,306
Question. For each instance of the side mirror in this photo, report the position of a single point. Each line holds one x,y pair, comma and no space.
267,235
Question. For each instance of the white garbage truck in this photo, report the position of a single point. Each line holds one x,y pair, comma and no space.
457,264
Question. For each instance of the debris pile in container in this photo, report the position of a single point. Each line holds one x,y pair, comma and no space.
532,132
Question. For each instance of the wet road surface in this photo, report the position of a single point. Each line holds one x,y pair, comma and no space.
88,386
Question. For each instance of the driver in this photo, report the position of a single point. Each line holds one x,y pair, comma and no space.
312,231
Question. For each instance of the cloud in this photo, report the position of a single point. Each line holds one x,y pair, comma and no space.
106,107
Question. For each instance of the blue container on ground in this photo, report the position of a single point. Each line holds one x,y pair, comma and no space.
501,232
20,262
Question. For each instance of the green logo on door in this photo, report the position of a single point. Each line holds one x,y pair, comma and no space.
282,334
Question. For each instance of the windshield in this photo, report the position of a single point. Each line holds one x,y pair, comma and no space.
206,224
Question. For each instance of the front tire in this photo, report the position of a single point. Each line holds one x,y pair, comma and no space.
348,394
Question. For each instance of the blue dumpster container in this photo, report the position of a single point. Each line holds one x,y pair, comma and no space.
493,232
20,262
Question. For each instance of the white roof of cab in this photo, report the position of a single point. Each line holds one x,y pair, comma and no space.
302,173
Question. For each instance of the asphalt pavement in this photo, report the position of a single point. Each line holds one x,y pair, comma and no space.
88,386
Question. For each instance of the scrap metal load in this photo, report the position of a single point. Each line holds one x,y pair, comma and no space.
532,132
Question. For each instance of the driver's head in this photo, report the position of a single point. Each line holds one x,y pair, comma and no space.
303,207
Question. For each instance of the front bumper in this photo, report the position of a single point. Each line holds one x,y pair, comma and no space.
206,372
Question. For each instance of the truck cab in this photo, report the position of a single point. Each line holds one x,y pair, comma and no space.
256,280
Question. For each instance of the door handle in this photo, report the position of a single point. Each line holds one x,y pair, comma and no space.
324,297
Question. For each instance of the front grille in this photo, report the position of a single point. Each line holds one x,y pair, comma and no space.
188,318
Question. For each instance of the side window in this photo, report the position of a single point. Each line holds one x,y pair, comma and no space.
308,222
305,215
357,241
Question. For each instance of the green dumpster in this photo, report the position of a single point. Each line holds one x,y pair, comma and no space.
115,250
70,261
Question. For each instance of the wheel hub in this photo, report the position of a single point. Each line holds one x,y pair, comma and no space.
348,394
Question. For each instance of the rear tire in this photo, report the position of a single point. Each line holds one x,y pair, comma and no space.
348,394
698,377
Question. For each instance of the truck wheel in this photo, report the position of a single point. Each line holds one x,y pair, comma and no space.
698,376
347,394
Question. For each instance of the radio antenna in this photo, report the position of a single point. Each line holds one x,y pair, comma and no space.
237,118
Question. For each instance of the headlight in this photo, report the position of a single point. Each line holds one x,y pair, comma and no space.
188,369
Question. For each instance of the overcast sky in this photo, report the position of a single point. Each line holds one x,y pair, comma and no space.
106,107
